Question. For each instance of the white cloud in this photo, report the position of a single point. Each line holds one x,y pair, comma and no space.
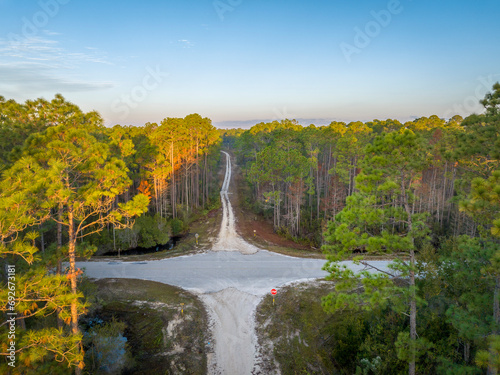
31,66
50,33
33,79
38,48
186,43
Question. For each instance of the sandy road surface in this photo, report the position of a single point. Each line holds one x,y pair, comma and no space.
228,239
231,280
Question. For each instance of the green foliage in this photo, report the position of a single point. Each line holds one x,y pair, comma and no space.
491,101
306,338
19,121
491,357
405,346
368,367
177,226
373,222
67,173
230,136
152,231
484,202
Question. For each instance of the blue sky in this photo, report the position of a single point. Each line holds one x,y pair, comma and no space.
240,61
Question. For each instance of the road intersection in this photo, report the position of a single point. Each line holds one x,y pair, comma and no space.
231,279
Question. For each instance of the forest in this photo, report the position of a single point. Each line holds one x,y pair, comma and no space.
423,193
71,187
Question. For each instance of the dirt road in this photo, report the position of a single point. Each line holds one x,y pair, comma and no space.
231,278
228,239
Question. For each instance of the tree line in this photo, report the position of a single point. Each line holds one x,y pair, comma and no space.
70,186
303,175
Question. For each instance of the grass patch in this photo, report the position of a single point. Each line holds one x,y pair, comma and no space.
302,337
291,329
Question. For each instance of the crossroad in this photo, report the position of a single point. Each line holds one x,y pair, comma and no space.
231,279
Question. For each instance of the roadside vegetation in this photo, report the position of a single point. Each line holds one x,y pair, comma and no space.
424,194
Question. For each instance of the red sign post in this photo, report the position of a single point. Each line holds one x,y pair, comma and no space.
273,292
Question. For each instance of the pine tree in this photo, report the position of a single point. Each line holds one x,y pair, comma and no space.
30,292
380,219
76,174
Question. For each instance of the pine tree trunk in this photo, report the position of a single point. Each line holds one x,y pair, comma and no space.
172,194
450,193
438,204
279,208
197,182
194,202
155,183
60,323
496,304
492,370
413,314
466,352
326,182
72,276
202,182
299,192
206,178
443,200
42,240
413,297
350,180
318,187
187,188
